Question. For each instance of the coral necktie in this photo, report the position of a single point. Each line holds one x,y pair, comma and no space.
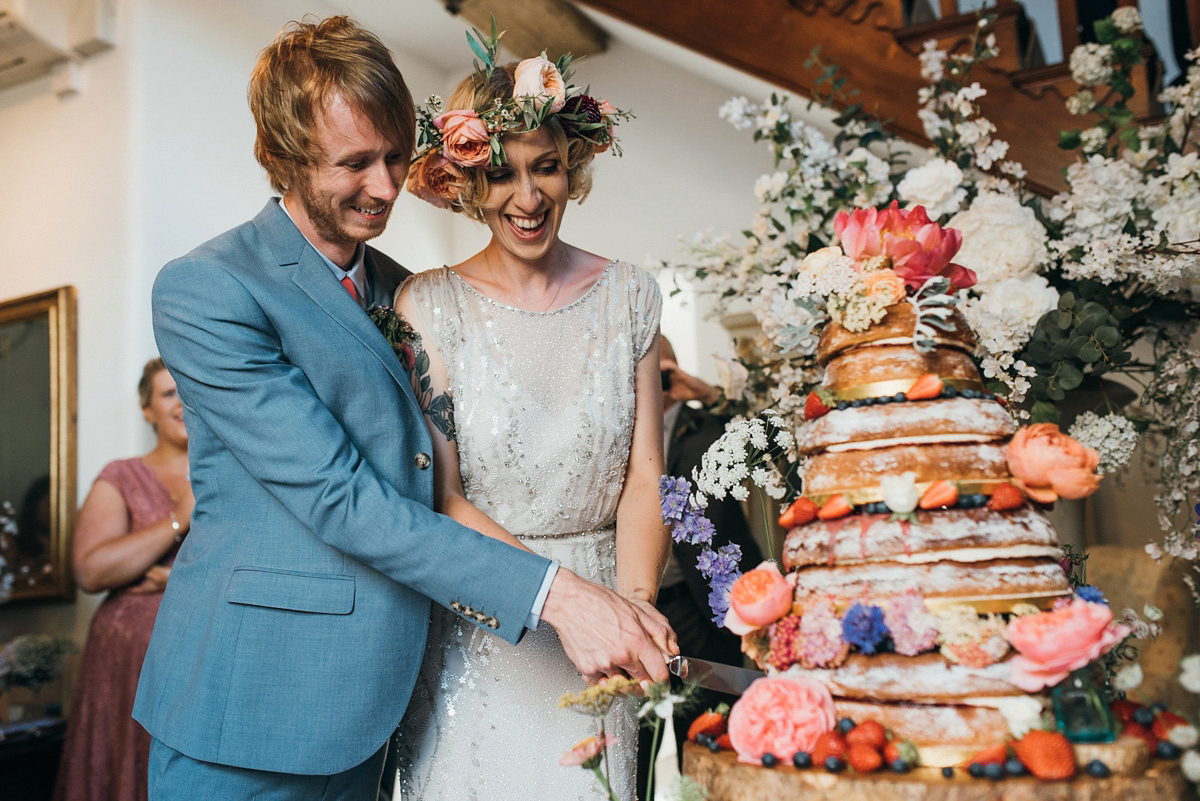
350,287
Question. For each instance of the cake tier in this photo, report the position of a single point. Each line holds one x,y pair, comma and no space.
993,581
857,474
884,370
959,535
944,420
724,778
944,734
924,678
896,328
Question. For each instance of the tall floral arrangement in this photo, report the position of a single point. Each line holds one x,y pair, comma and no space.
1065,292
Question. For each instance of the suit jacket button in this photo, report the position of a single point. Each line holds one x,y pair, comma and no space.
492,623
422,461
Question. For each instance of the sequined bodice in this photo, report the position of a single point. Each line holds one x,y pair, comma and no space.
543,401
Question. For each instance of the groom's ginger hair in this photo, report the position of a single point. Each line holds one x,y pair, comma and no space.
307,65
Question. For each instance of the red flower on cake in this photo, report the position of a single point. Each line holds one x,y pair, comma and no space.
759,597
780,715
917,247
1052,644
1052,465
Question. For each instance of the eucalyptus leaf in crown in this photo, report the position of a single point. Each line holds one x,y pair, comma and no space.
1094,283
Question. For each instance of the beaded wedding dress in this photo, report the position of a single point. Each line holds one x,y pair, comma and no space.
544,411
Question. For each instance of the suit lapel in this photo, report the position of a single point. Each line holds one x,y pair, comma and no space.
312,275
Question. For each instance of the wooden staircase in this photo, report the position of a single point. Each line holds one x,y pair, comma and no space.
876,42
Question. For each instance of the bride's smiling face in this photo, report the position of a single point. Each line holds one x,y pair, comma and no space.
527,195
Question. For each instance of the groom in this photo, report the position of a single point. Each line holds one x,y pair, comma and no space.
294,623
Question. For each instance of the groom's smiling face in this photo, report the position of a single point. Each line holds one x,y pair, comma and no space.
347,196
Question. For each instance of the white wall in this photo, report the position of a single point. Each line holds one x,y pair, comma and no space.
154,157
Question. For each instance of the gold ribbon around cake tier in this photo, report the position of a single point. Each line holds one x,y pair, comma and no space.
861,495
995,604
983,604
887,389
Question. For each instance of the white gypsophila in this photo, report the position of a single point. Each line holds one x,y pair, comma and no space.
1184,736
770,187
932,123
936,185
1127,19
1112,436
932,61
1093,140
1001,239
1140,158
900,492
1091,64
738,112
1152,612
1128,678
988,152
1081,102
1189,763
1153,551
1022,713
1189,675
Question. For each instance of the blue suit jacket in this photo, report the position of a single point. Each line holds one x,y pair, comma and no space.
293,625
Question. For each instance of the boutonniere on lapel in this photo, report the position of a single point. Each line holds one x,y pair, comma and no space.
398,333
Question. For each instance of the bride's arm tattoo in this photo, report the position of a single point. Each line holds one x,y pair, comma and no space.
438,408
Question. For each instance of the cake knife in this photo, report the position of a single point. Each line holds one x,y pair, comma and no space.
713,675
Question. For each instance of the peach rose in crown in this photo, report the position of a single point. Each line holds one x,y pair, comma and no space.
1052,644
1051,465
885,285
780,715
465,139
434,179
539,79
759,597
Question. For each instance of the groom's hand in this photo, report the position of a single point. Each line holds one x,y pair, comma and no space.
605,635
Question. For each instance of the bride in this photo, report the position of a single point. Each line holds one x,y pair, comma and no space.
537,368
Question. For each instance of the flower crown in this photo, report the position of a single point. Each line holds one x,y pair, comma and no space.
455,140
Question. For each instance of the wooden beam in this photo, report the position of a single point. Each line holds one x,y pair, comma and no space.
772,38
533,26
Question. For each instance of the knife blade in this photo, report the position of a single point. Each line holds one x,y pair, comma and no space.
713,675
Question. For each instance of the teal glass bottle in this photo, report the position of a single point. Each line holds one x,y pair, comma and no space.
1081,710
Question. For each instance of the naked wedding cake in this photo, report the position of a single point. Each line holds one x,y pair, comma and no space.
937,577
920,587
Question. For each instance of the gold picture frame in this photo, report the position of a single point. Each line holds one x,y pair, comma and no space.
37,440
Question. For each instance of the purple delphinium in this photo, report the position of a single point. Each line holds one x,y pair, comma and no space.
863,626
1086,592
689,524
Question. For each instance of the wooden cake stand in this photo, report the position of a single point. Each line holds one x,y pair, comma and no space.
726,779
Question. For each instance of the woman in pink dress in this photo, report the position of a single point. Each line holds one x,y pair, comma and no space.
126,536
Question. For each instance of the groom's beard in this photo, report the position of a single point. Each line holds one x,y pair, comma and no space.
330,216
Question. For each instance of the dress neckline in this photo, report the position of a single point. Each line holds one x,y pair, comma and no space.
588,292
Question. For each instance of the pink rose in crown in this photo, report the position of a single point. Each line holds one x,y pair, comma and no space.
1052,644
540,80
434,179
465,139
780,715
1052,465
759,597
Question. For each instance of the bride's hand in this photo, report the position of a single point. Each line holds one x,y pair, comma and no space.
604,634
656,625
